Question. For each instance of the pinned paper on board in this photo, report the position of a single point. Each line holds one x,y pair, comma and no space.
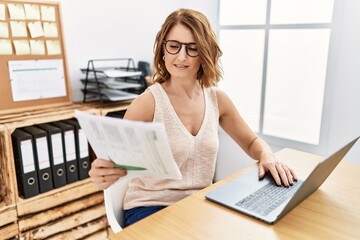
48,13
32,12
37,47
5,47
37,79
53,47
50,29
22,47
4,30
35,29
2,12
30,31
16,11
18,29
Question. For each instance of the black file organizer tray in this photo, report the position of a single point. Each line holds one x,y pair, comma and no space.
104,87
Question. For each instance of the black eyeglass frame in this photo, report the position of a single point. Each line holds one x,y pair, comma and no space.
181,44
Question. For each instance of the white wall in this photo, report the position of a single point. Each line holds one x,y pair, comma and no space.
342,104
115,29
345,104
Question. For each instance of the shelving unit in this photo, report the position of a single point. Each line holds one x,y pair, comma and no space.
112,80
74,211
8,214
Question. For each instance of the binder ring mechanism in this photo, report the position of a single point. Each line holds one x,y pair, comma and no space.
85,165
72,168
45,176
60,172
31,181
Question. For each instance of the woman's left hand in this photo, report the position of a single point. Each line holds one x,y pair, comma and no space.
279,170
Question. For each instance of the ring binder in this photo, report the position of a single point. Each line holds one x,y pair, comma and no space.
42,160
56,154
25,163
69,150
82,149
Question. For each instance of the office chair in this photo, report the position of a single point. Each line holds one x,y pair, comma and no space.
144,67
114,198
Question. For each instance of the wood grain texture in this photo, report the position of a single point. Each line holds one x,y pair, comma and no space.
60,212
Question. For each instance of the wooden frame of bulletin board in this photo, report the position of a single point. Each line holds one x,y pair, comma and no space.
33,68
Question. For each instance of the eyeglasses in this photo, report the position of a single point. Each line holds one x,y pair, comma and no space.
173,47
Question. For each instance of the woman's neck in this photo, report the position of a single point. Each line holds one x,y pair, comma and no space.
183,88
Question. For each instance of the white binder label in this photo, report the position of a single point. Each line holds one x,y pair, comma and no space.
83,144
57,148
42,152
27,156
70,145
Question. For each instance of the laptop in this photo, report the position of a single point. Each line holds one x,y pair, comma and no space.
264,200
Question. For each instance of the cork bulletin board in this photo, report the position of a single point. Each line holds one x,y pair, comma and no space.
33,68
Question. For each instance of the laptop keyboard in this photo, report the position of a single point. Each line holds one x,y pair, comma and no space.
269,197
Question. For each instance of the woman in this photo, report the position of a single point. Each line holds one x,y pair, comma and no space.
184,98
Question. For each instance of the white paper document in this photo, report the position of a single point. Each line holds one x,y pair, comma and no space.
37,79
32,12
16,11
48,13
18,28
2,12
140,147
121,73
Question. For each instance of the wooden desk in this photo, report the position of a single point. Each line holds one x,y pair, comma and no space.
332,212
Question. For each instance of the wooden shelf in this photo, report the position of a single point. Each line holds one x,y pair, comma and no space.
9,231
55,197
73,211
105,109
51,115
8,214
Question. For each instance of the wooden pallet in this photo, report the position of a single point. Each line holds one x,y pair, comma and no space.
74,211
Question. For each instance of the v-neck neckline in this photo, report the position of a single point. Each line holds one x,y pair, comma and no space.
178,120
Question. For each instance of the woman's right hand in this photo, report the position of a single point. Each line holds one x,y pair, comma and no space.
103,173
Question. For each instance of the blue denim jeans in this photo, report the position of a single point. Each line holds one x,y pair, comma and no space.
135,214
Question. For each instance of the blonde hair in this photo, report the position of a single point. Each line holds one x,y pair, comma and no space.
209,51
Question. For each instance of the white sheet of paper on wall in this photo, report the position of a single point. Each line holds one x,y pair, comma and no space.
22,47
18,29
53,47
37,47
50,29
2,12
37,79
32,12
16,11
35,29
48,13
5,47
4,30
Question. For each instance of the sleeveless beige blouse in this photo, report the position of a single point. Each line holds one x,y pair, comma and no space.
194,155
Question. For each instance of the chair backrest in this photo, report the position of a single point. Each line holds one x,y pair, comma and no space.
114,198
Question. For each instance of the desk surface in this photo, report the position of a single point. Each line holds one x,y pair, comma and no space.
331,212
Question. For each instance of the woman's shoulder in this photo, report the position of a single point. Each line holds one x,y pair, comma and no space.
220,94
142,108
224,101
